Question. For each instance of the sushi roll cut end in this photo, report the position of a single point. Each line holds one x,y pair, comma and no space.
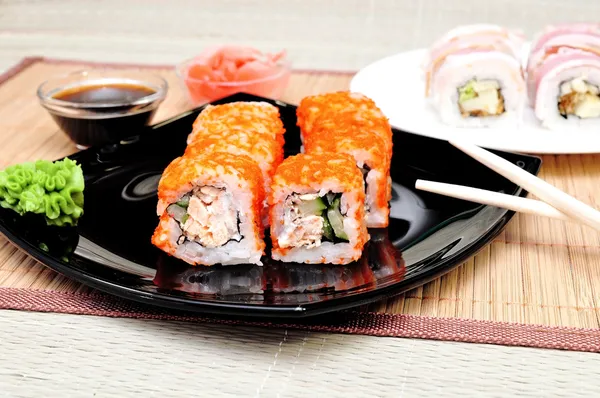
372,157
480,89
579,98
474,77
317,210
350,123
209,210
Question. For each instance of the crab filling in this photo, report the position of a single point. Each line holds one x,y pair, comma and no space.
480,98
579,98
310,219
208,216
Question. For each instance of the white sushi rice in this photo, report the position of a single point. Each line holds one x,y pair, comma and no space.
548,92
459,69
376,181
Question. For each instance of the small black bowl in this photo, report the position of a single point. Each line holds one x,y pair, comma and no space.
96,107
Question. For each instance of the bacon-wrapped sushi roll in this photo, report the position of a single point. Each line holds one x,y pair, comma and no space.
577,36
317,210
210,210
350,123
474,77
564,76
470,37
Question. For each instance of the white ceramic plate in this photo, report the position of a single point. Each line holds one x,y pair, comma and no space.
396,85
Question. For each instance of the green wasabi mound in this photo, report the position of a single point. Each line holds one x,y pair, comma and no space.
54,189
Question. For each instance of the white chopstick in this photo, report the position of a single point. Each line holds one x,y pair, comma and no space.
510,202
551,195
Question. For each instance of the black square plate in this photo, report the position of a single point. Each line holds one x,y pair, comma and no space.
110,249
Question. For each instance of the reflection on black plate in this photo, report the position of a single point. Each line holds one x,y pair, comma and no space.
381,263
110,249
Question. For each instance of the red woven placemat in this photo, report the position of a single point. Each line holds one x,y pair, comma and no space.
367,323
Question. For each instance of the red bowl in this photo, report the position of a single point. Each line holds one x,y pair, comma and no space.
201,91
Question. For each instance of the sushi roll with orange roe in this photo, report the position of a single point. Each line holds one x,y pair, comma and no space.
371,157
267,154
325,110
259,118
252,129
350,123
210,210
317,212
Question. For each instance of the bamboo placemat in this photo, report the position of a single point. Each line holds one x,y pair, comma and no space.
537,272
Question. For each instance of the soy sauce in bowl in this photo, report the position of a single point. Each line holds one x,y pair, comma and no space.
105,94
99,107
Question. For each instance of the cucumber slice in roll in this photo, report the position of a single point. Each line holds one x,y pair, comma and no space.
176,211
327,230
336,220
315,206
184,202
